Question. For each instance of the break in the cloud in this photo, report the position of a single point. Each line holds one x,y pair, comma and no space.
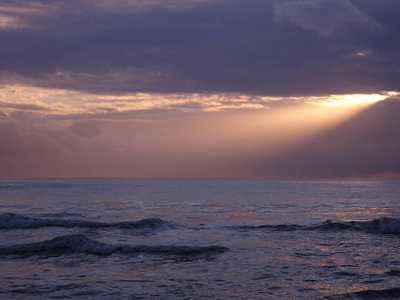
364,145
290,138
198,88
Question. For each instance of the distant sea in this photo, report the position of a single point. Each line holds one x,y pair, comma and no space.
199,239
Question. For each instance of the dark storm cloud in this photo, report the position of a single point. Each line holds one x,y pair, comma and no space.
259,47
323,16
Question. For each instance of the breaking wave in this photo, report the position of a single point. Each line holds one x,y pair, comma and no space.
15,221
382,225
393,293
80,243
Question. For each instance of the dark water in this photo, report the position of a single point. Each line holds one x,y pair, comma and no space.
199,238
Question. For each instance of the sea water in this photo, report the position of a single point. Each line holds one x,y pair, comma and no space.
199,239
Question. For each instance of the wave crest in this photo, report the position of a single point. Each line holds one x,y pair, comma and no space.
382,225
15,221
80,243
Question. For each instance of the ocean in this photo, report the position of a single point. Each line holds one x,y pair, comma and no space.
200,239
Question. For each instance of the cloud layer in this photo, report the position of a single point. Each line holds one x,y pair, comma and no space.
324,16
258,47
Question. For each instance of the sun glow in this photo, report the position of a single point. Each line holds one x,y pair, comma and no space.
351,100
63,102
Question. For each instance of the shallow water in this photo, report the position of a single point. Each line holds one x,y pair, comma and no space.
200,238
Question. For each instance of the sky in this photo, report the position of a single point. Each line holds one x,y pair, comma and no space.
200,88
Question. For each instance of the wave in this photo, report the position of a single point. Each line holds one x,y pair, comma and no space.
393,293
15,221
382,225
80,243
